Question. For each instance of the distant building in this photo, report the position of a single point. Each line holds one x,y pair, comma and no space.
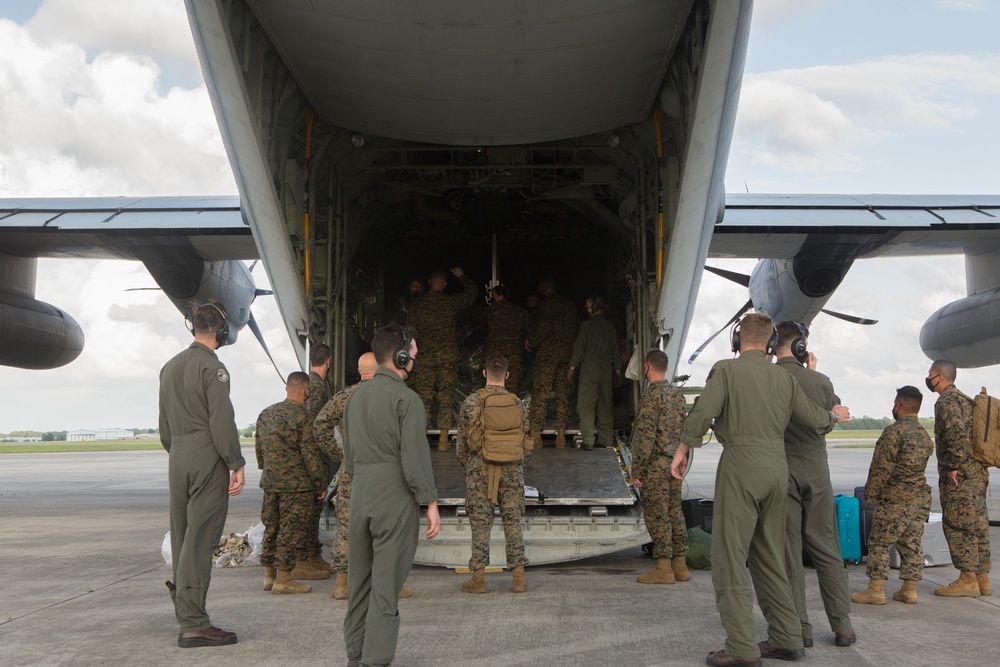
99,434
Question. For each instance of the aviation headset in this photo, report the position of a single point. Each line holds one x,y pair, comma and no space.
401,357
734,339
799,350
221,334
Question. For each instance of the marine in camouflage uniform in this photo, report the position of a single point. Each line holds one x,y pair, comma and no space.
328,419
511,489
897,486
556,325
433,321
659,424
506,321
294,473
319,395
962,482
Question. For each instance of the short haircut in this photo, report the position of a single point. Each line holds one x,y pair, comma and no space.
495,365
910,397
500,290
438,274
318,354
296,380
599,304
657,360
945,368
756,329
206,318
387,340
789,331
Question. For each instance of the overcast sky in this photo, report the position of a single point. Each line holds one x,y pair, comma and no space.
105,97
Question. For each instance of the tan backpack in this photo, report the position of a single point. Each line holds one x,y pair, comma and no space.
986,429
502,424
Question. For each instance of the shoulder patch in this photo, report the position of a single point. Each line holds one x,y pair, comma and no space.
222,375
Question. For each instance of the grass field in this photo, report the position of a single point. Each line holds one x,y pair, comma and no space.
853,435
94,446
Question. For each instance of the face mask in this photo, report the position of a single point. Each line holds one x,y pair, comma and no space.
895,414
930,382
413,368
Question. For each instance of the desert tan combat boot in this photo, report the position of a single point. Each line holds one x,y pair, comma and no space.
339,591
477,584
518,584
405,592
285,585
561,438
985,589
444,442
662,574
319,562
874,594
269,577
306,570
679,565
536,442
908,593
966,586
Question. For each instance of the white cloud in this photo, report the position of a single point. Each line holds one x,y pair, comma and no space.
823,119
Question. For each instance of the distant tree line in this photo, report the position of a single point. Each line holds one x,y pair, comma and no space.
867,423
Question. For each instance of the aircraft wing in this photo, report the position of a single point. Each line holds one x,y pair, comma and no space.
125,227
778,226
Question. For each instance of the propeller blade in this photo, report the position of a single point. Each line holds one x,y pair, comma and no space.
253,264
739,278
262,292
252,323
735,318
854,319
142,289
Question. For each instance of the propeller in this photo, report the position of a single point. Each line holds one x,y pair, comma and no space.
738,278
255,328
854,319
735,318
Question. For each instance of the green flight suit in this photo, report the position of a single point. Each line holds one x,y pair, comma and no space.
198,430
810,512
596,354
388,457
752,402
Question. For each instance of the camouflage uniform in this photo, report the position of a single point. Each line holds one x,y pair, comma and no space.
556,324
897,486
659,424
328,419
966,523
506,321
319,395
433,322
596,354
294,472
477,503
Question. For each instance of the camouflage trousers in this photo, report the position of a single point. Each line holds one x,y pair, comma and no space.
338,551
900,524
515,363
511,500
437,378
286,519
550,375
966,522
661,511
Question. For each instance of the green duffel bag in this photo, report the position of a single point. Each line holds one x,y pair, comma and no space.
699,555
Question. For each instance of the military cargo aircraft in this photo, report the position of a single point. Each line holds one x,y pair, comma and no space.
582,140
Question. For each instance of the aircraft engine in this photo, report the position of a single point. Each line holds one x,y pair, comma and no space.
966,331
792,289
35,335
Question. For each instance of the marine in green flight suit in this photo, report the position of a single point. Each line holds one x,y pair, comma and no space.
752,401
595,353
198,430
810,512
388,457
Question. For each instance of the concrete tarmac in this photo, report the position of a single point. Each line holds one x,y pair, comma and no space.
81,584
